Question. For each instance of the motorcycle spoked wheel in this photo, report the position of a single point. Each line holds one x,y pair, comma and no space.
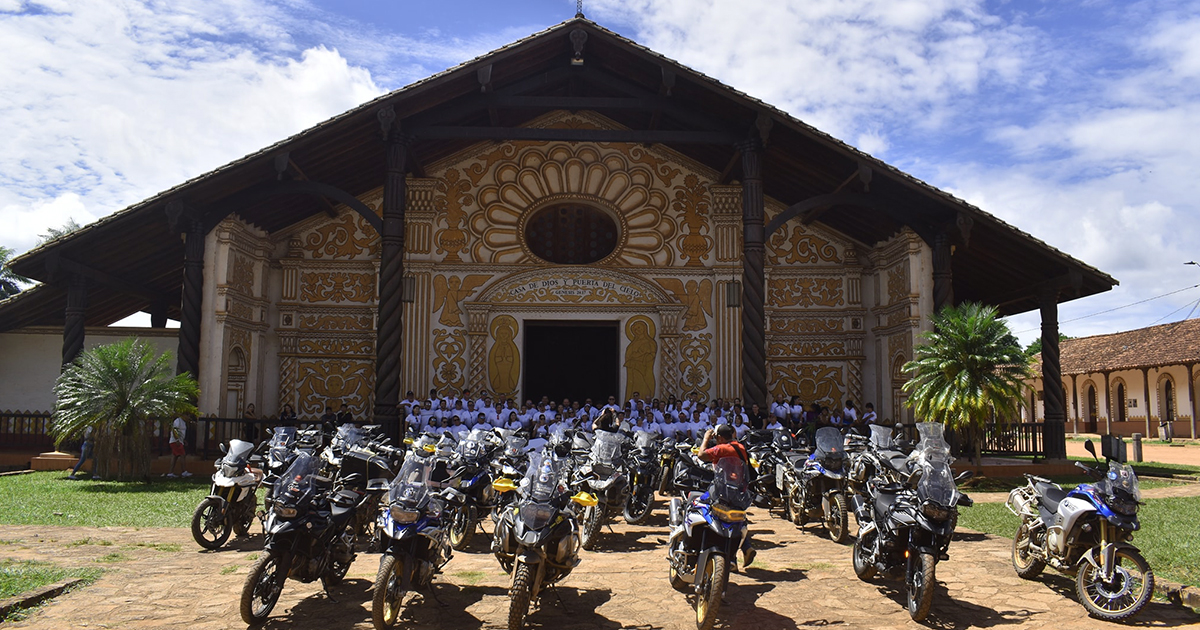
210,528
1025,563
919,582
638,506
864,567
1123,597
462,527
796,505
593,520
388,595
837,519
336,571
664,480
519,596
263,586
712,587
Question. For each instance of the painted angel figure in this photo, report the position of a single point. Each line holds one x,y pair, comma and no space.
697,296
449,292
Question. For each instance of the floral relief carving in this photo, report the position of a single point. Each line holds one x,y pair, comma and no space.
802,247
806,325
692,201
344,237
449,365
805,292
331,322
325,380
452,197
696,367
897,283
335,346
537,176
241,275
337,286
794,349
812,382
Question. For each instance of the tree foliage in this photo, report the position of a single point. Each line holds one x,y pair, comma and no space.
10,282
968,370
1035,348
120,390
52,233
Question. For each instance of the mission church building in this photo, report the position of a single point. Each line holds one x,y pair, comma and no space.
570,215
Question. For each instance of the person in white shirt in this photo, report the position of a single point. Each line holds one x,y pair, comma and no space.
481,422
633,400
413,421
514,422
780,409
797,415
869,416
178,451
442,412
457,428
410,401
775,425
849,414
739,425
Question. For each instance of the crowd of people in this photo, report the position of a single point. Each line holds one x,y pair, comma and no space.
670,416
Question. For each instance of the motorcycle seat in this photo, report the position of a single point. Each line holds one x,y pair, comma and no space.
1049,496
896,461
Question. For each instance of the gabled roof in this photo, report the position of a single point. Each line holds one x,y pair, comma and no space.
1156,346
999,265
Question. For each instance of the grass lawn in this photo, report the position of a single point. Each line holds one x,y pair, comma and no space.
49,498
1141,468
1169,538
20,576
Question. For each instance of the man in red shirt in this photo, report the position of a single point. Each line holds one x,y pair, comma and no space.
728,446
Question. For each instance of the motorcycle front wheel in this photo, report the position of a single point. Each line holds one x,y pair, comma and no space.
263,587
638,506
1124,596
796,505
462,527
337,569
519,596
593,520
210,528
864,566
837,521
712,587
388,593
919,585
1027,565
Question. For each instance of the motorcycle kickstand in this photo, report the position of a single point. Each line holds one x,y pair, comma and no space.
434,595
329,595
554,589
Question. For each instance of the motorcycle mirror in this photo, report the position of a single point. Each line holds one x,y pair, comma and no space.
223,449
1091,448
915,477
964,475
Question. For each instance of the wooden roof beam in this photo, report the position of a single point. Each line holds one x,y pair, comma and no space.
577,135
284,163
56,264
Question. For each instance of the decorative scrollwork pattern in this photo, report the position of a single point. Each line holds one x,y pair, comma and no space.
695,364
802,247
346,236
805,292
812,382
323,381
449,364
337,286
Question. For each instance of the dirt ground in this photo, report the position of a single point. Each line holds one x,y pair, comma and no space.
161,579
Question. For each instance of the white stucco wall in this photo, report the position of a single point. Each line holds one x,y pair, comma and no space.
29,360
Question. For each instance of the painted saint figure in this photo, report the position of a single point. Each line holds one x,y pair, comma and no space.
504,360
639,355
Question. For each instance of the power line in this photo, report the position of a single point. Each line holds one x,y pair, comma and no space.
1121,307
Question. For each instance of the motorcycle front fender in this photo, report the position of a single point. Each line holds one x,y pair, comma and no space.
1104,557
702,561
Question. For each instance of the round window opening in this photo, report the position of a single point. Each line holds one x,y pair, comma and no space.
571,234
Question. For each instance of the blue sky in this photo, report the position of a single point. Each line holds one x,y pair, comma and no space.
1076,121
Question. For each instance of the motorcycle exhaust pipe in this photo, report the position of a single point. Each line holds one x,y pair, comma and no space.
676,511
860,507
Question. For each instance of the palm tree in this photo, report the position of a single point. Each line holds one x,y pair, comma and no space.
9,280
120,390
968,370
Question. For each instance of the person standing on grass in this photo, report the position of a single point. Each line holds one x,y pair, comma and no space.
178,452
85,453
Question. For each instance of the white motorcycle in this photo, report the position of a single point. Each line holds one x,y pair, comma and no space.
231,504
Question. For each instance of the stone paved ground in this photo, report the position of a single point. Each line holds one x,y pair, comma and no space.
801,580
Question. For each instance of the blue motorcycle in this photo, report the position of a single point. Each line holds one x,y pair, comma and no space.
1085,531
706,533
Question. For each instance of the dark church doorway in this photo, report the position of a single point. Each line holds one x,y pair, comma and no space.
571,359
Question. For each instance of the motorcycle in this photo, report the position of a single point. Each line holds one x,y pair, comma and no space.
537,538
908,527
819,491
1085,531
231,504
643,478
472,475
603,475
511,464
412,538
705,538
310,536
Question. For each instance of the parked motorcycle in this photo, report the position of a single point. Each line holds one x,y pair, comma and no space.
907,527
644,469
537,539
820,488
1085,531
706,532
603,475
511,463
412,537
310,536
231,504
471,474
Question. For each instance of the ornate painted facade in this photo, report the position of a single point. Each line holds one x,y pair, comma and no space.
295,309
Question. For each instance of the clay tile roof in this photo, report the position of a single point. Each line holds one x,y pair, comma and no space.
1168,344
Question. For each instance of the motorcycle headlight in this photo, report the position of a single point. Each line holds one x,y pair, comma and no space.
935,512
536,515
401,516
1123,507
728,514
284,511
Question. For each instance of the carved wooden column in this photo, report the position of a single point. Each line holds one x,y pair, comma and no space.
76,315
1054,399
391,276
754,333
193,287
158,315
943,276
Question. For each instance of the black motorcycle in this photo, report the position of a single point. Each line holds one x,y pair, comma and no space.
644,469
602,475
310,536
510,464
537,540
819,492
471,474
907,528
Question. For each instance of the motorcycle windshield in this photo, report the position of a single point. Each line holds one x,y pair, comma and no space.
411,486
933,447
544,479
299,476
515,447
829,441
348,435
881,436
283,437
937,484
731,486
606,450
239,452
646,440
1121,477
470,449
